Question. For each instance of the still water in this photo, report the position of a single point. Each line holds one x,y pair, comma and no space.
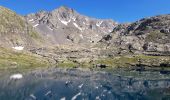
75,84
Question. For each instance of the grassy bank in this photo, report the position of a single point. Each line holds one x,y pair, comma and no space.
22,60
117,62
11,59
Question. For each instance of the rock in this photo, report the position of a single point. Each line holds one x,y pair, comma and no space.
146,35
164,72
101,66
69,25
165,65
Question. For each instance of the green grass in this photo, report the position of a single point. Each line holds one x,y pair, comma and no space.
11,59
127,61
117,62
67,64
10,20
14,26
20,60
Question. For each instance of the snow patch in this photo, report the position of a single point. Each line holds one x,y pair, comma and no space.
111,30
64,22
50,28
31,20
99,23
81,36
63,98
78,27
35,25
96,35
75,97
74,18
18,48
16,76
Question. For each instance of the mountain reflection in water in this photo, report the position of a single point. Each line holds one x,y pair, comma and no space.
74,84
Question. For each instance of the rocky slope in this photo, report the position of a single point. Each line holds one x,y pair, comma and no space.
64,25
15,31
65,38
148,35
17,36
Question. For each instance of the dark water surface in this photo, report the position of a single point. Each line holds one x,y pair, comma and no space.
74,84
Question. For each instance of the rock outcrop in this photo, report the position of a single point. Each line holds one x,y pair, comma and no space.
64,25
148,35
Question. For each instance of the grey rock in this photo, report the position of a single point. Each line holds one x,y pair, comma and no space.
64,22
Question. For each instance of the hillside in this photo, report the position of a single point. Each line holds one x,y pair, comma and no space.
65,38
15,31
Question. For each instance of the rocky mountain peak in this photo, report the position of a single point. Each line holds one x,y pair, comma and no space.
64,9
65,25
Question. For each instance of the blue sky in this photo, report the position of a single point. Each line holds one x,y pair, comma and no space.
118,10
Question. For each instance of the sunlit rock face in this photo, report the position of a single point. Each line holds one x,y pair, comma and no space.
151,35
65,25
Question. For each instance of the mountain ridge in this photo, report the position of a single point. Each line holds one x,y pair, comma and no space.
67,17
66,38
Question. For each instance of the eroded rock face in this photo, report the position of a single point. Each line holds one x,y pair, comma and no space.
64,22
146,35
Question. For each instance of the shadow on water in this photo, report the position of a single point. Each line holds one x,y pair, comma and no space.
74,84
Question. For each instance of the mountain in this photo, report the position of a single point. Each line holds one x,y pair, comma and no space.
65,38
64,25
15,31
148,35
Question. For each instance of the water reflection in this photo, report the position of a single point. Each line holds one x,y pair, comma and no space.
83,85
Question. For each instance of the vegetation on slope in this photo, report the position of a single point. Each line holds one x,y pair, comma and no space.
10,59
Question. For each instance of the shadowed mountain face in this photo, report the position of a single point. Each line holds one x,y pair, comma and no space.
64,25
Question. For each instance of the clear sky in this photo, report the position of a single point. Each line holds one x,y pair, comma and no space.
118,10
